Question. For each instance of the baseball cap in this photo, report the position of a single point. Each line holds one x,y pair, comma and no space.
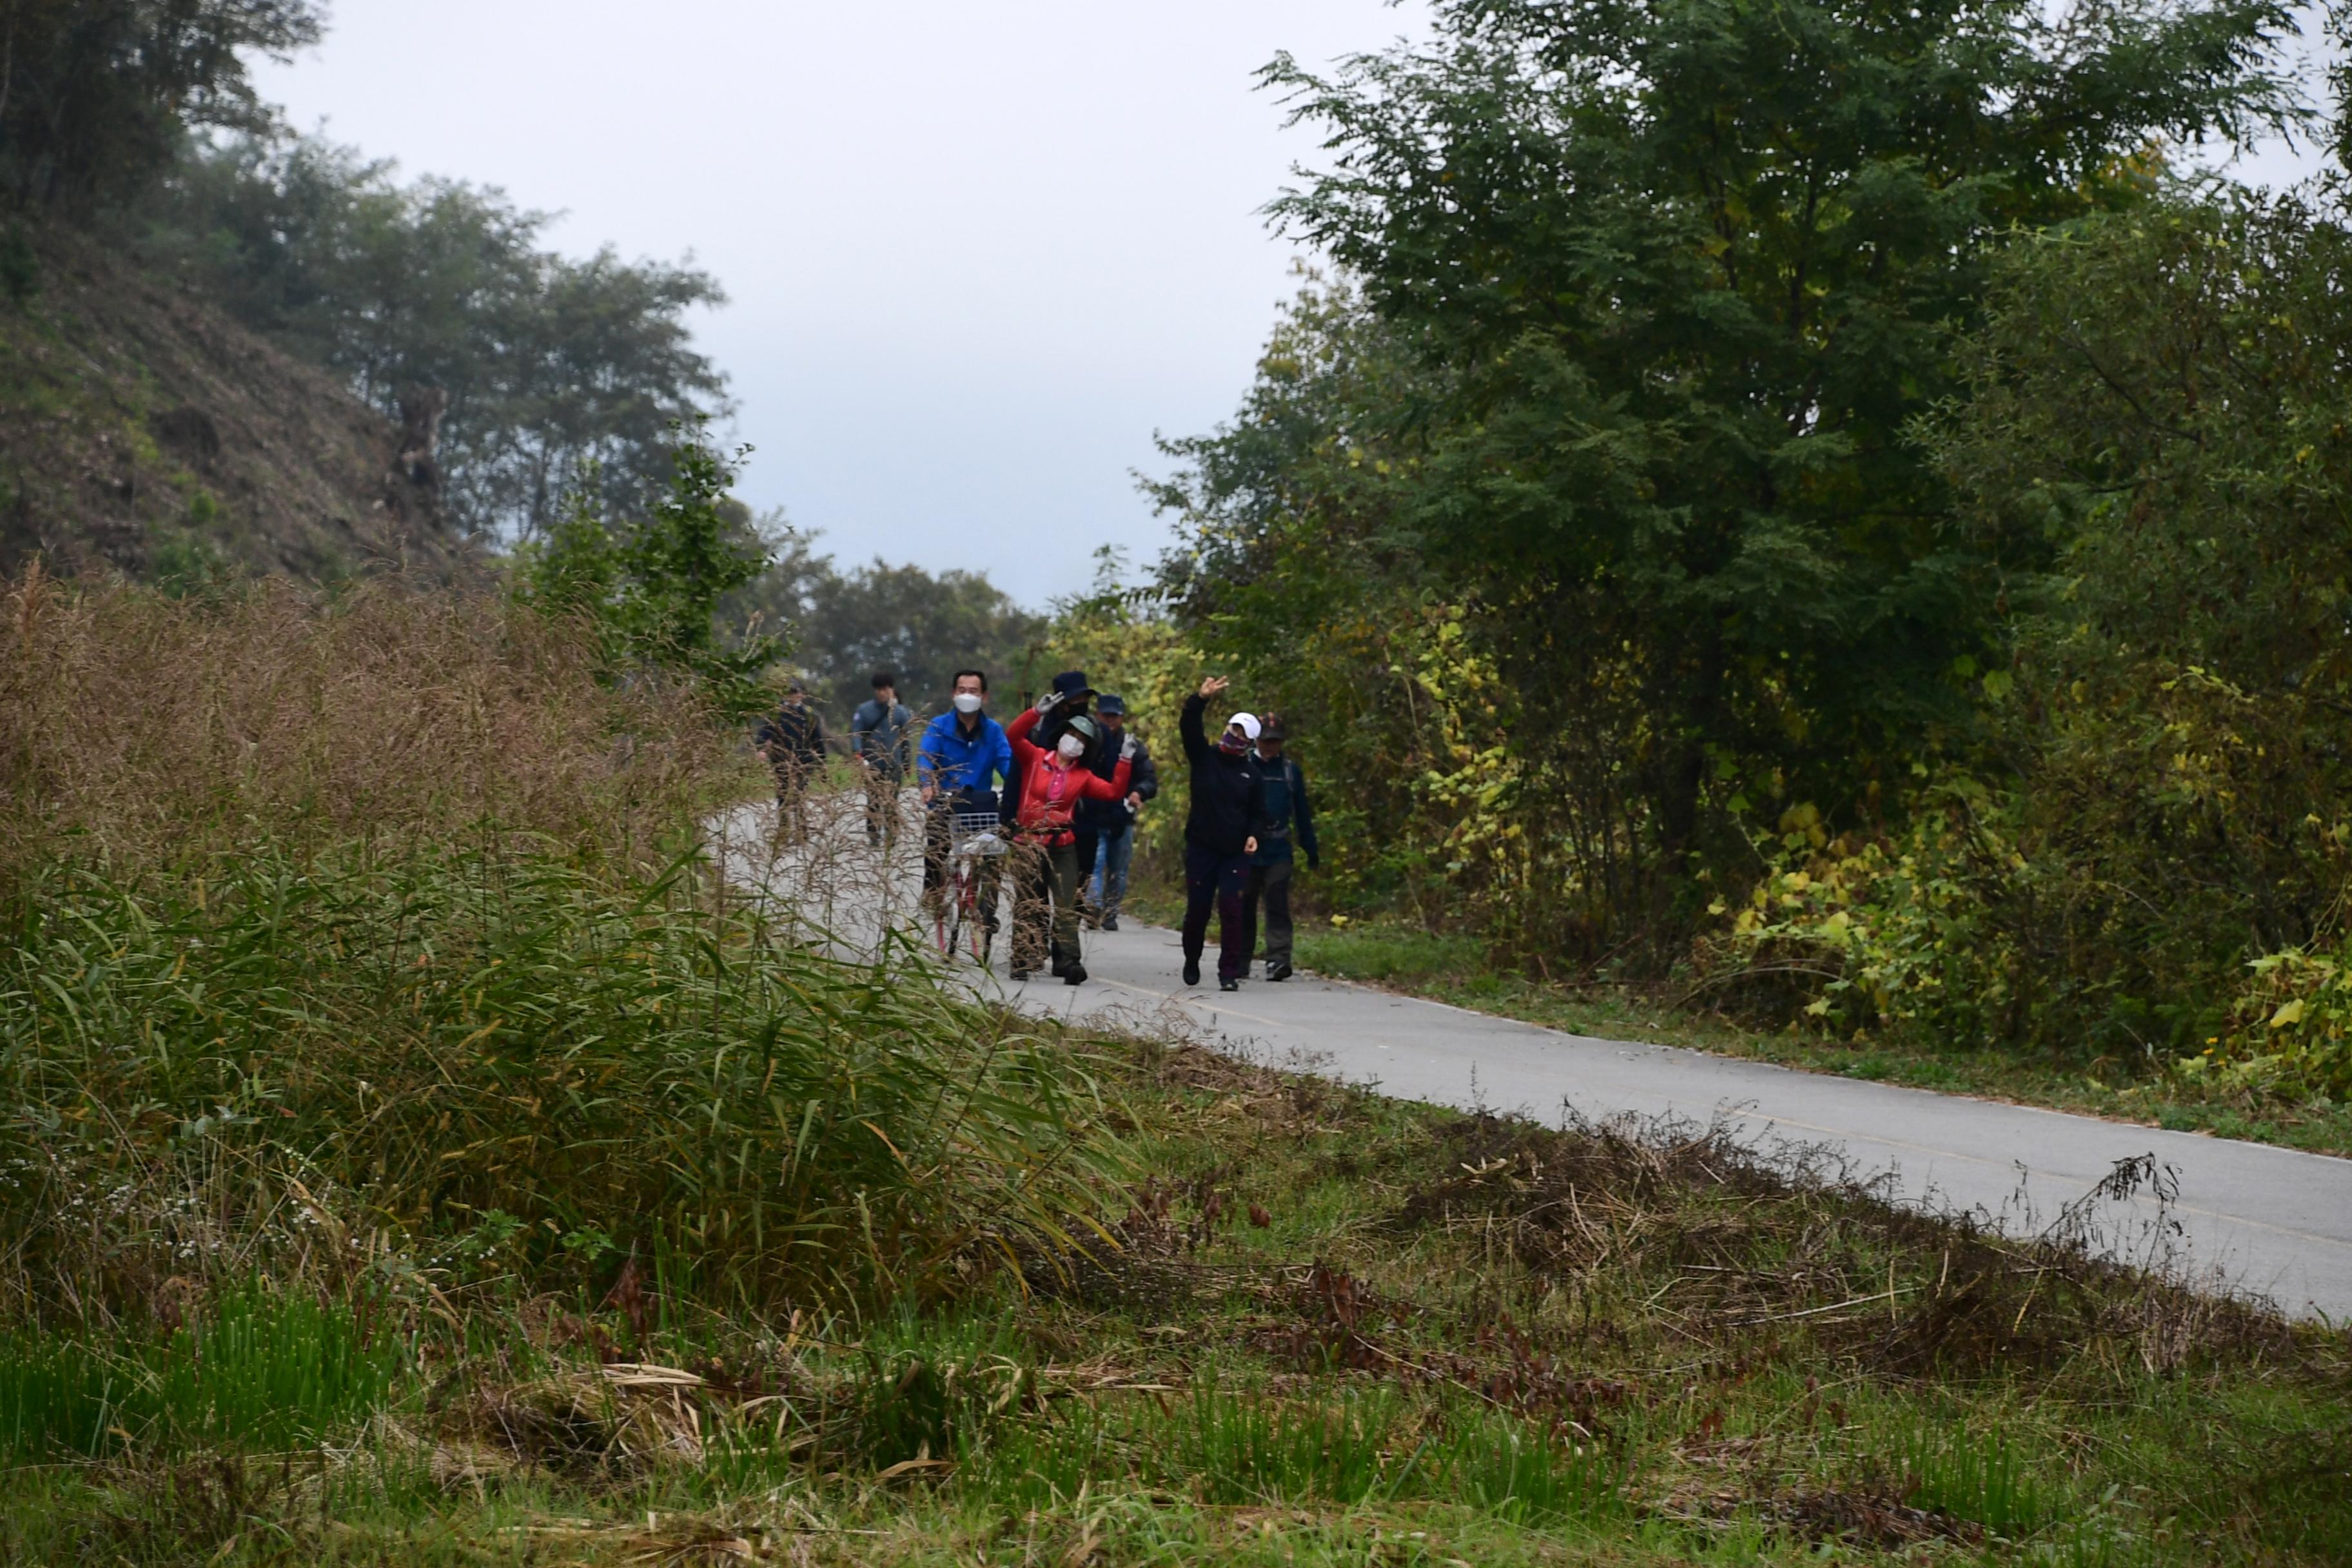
1248,722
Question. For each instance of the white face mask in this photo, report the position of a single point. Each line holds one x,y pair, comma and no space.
968,701
1072,748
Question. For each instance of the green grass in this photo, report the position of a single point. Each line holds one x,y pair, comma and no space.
259,1368
1451,1339
1457,970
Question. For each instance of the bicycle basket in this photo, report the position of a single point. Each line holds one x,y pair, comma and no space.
977,832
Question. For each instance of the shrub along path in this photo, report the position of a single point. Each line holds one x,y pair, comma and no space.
2260,1219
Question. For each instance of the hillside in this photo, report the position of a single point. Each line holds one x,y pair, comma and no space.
142,430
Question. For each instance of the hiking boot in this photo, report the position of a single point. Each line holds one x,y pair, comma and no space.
1191,971
1075,974
1277,972
1229,984
1110,923
1020,974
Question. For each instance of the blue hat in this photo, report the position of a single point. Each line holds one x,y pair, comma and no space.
1111,702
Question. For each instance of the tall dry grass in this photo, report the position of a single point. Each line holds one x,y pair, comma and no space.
148,731
367,940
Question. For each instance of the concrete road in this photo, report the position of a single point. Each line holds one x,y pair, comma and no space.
2252,1218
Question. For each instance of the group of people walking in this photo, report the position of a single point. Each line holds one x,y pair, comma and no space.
1071,781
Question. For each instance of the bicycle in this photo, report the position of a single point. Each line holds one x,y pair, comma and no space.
975,838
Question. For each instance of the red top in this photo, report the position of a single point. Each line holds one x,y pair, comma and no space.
1051,789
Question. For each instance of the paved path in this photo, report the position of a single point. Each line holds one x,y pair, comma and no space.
2256,1218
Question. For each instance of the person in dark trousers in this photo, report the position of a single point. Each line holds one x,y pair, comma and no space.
1219,835
880,734
963,754
1286,825
792,740
1045,855
1113,821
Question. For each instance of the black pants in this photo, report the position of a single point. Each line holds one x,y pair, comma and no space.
1219,879
1045,901
1088,842
1269,884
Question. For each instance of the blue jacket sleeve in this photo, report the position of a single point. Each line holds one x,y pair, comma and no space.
1000,757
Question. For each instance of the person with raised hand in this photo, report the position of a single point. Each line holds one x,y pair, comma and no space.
1220,833
1045,854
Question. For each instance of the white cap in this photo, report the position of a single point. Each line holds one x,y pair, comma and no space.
1248,722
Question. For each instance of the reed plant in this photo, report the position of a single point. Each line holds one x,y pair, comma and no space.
486,1056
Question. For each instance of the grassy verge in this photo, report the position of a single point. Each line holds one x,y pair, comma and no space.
400,1162
1335,1329
1456,970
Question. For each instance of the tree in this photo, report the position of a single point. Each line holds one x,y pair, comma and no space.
920,626
2156,437
1670,281
561,373
96,96
654,585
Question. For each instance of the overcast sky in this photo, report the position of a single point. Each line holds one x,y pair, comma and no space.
977,254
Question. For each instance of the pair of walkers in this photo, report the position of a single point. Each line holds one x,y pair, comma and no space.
1058,764
1249,815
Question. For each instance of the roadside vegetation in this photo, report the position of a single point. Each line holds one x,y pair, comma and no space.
1866,588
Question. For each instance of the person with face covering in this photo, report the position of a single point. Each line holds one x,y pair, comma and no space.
962,755
1045,853
1219,835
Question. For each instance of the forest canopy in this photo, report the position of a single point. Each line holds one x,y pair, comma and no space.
1809,478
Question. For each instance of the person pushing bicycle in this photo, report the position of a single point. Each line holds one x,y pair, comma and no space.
962,757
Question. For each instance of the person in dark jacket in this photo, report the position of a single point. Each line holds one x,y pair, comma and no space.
1112,822
1286,816
1219,835
792,740
881,733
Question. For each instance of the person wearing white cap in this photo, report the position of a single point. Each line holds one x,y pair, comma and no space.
1220,834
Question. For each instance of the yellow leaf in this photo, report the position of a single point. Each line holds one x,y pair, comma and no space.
2292,1013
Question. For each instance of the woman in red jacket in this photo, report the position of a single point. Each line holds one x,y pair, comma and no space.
1045,865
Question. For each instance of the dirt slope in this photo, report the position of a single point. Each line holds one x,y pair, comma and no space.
143,430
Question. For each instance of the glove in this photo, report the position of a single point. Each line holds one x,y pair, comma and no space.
1047,703
1127,749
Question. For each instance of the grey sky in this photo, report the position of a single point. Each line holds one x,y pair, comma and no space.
977,253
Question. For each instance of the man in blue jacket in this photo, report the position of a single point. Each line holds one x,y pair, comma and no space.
1284,815
963,755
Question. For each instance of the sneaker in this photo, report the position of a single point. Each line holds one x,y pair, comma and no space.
1277,972
1075,974
1110,923
1229,984
1191,971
